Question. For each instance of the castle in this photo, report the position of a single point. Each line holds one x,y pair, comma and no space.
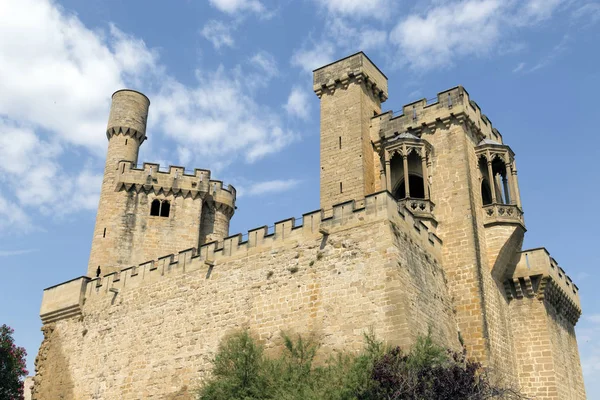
420,227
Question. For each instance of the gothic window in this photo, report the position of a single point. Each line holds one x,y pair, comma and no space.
165,207
486,193
160,208
155,207
417,189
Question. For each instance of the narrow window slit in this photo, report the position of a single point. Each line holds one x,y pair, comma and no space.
341,191
104,234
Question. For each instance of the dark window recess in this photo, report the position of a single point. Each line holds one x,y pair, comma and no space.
165,208
486,193
340,142
155,208
160,208
125,142
341,191
417,189
104,234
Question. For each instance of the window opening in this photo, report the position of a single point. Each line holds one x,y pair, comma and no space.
126,142
155,207
417,188
340,142
104,234
341,191
165,207
486,193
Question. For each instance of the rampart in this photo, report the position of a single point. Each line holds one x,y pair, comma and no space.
160,322
422,115
176,181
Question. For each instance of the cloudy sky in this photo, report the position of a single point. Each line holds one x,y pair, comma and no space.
231,90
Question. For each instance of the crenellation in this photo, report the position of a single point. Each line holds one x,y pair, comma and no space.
421,117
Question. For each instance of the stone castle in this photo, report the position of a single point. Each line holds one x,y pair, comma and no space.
420,227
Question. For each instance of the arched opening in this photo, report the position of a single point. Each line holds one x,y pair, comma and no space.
155,207
417,189
486,193
165,208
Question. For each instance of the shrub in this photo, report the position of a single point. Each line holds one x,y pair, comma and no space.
427,371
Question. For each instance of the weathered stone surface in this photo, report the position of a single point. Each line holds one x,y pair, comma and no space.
148,329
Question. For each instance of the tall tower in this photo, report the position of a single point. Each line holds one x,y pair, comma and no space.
126,131
351,92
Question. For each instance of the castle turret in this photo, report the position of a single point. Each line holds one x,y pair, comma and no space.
126,131
351,92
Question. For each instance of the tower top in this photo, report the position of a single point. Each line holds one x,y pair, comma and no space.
128,114
357,66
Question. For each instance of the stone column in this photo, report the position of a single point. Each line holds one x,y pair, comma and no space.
507,183
491,179
405,165
425,173
388,173
515,183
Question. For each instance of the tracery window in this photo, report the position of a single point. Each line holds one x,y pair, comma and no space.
160,208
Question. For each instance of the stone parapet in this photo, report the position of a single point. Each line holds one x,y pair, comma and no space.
378,206
495,214
355,67
538,275
64,300
175,181
422,116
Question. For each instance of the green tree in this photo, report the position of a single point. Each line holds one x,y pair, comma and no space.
12,366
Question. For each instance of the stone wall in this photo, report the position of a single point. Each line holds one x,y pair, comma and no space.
150,332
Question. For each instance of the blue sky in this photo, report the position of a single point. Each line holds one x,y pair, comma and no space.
231,90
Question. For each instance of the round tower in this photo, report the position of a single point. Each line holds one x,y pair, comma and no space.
126,130
218,208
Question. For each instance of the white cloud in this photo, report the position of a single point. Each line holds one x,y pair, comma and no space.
298,103
433,40
351,36
56,85
218,33
379,9
236,6
309,59
9,253
449,30
589,12
519,67
265,61
270,187
13,219
218,120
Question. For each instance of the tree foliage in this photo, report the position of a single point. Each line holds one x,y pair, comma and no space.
242,371
12,366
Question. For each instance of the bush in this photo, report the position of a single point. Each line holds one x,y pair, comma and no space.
241,371
12,366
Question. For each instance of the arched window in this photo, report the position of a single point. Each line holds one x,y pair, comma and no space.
486,193
160,208
155,207
417,189
165,207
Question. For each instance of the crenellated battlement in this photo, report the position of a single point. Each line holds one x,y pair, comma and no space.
175,181
424,116
538,274
377,207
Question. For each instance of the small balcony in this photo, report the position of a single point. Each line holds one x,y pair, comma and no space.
502,214
421,208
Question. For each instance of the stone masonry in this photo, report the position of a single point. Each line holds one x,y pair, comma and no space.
421,227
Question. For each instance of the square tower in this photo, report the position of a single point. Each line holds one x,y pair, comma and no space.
351,92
